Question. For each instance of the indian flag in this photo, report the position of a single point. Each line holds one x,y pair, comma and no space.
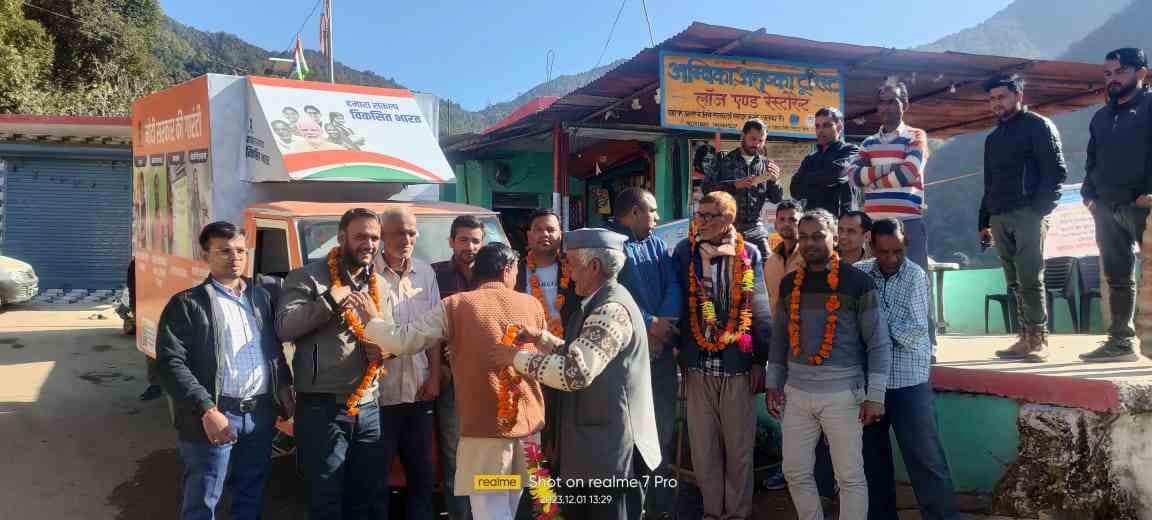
300,66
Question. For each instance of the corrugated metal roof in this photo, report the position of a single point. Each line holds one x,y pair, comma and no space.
945,87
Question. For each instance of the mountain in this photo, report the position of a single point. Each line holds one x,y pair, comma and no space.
187,52
1031,28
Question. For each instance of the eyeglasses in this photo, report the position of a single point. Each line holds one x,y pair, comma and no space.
707,217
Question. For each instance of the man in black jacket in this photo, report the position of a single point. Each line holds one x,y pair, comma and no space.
1118,191
751,179
1023,170
822,180
221,363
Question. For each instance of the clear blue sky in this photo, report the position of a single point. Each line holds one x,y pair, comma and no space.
481,52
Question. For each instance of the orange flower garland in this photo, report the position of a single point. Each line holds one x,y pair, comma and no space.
555,325
508,391
353,320
701,308
830,306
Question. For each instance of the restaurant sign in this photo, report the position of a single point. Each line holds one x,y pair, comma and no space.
719,93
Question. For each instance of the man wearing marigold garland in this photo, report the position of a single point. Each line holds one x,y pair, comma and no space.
650,276
542,274
723,348
830,358
337,443
219,360
500,413
909,401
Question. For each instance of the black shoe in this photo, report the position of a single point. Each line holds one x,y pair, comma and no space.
152,392
775,482
1112,351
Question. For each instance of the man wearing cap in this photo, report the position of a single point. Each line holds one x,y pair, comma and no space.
607,423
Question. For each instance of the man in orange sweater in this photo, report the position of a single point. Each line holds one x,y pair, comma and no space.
473,322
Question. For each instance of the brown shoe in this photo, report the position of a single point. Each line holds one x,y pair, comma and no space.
1037,347
1018,350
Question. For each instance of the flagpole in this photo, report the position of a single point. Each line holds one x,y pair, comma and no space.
331,59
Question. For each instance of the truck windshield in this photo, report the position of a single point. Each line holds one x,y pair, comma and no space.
318,236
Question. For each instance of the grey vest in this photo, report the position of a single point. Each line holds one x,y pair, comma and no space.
602,425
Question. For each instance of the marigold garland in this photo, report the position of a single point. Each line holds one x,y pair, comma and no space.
555,325
353,320
543,496
830,306
701,308
508,391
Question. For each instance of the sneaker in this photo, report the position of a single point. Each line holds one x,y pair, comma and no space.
775,482
1112,351
152,392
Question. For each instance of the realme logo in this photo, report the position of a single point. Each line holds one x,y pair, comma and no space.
496,482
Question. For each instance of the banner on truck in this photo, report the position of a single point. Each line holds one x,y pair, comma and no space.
1071,230
719,93
302,130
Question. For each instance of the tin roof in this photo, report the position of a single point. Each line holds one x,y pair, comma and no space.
327,209
85,130
945,87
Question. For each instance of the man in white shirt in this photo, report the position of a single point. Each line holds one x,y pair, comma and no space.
411,383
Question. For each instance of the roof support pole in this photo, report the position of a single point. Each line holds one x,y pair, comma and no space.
557,157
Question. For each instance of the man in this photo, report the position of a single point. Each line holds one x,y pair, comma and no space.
835,387
890,169
127,313
542,273
822,180
909,403
1023,170
337,451
220,361
651,277
473,322
1118,191
465,237
340,134
722,358
751,179
854,232
786,257
317,118
412,382
606,425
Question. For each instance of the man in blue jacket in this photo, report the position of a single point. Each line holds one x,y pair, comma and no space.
650,275
220,361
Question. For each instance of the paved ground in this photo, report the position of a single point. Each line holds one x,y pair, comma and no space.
976,352
77,444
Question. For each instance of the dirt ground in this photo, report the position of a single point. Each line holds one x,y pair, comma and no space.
78,444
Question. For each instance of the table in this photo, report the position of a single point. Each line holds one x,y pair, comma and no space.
940,269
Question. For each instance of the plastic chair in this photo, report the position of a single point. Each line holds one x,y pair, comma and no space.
1089,282
1007,309
1060,282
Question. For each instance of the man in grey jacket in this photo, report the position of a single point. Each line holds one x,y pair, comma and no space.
338,455
1118,191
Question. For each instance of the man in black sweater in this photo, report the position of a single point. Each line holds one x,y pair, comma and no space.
1023,170
1118,191
751,179
822,180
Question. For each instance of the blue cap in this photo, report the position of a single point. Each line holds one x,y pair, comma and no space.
598,238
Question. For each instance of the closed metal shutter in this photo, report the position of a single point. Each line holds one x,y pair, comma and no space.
71,219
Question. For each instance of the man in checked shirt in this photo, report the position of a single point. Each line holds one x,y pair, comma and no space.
910,412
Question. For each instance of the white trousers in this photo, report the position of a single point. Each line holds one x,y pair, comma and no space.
495,505
838,416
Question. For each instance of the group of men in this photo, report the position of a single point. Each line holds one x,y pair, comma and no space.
832,324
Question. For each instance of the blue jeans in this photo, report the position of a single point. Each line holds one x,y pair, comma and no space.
206,465
910,413
407,430
339,457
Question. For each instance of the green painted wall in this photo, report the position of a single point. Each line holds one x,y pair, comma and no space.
528,172
964,293
979,436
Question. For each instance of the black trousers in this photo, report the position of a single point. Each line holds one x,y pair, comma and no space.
407,430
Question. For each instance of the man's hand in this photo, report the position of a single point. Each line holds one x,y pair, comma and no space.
871,412
1144,201
501,356
756,379
217,428
655,347
374,352
340,295
745,183
986,236
530,335
662,329
430,390
772,171
1090,204
287,402
774,400
362,303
